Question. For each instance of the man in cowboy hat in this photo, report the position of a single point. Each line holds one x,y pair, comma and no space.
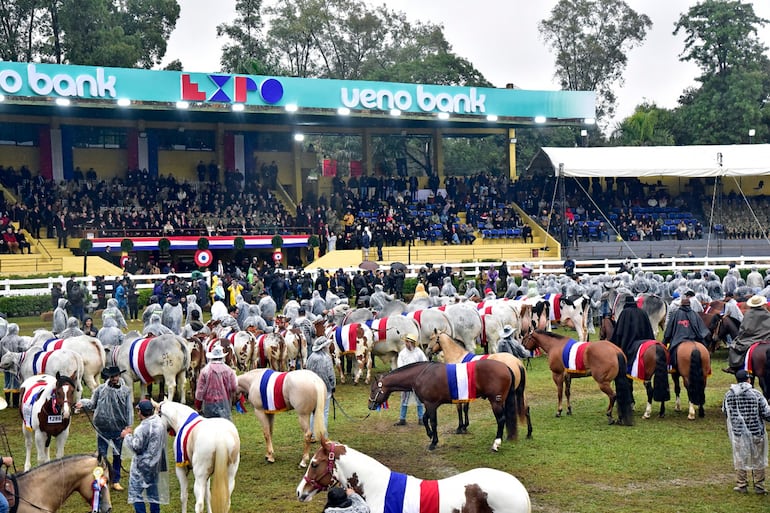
508,344
320,362
754,328
113,412
633,325
410,354
216,386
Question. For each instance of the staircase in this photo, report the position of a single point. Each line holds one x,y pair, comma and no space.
47,258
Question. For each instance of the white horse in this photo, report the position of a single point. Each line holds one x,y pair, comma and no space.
271,392
211,448
38,361
45,412
479,489
89,348
388,333
352,339
465,320
429,320
146,359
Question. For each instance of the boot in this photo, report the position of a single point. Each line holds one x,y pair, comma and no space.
759,482
15,397
8,398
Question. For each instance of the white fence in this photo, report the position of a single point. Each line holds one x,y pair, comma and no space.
43,286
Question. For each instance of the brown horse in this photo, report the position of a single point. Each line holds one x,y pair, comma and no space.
602,359
720,328
650,365
693,364
31,491
437,383
454,352
757,358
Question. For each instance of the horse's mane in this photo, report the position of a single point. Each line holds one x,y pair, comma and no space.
549,334
45,466
454,341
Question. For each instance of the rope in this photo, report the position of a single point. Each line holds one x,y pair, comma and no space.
711,217
336,403
753,214
553,202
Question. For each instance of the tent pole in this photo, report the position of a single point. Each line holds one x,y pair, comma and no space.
563,198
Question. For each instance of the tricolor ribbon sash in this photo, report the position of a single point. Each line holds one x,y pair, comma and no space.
407,494
378,327
31,396
183,436
470,357
462,381
638,371
271,391
346,337
53,344
572,356
136,358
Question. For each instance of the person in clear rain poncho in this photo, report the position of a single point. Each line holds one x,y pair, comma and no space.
747,411
148,477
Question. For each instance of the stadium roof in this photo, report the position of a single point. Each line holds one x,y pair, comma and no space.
645,161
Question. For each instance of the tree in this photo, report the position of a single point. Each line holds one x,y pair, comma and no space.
591,40
17,23
645,127
246,51
721,35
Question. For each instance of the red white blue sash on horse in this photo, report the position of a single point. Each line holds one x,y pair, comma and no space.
261,354
346,337
480,305
136,359
462,381
379,328
271,391
747,365
407,494
39,361
638,370
53,344
32,395
230,337
572,356
470,357
555,301
182,437
416,315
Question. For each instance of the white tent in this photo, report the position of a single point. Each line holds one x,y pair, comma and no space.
646,161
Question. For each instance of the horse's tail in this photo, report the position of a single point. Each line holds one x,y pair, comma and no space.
220,488
623,393
511,409
319,430
766,374
521,402
660,387
696,385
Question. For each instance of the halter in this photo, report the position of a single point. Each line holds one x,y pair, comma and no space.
316,483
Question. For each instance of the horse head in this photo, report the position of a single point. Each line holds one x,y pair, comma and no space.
64,393
321,474
435,343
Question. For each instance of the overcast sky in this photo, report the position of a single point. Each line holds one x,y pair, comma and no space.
500,37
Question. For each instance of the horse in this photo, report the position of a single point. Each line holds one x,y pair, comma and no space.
454,352
353,340
693,364
89,348
602,359
650,365
47,487
37,361
270,352
242,344
146,359
210,447
431,319
45,412
388,333
466,321
476,490
296,347
271,392
438,383
721,328
756,364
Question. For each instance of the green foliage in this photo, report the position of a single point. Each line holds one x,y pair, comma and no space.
245,52
409,285
645,127
591,40
23,306
721,35
239,242
144,297
468,156
203,243
313,241
86,245
164,244
276,241
126,245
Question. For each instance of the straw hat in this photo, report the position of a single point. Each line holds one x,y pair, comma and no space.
757,301
411,337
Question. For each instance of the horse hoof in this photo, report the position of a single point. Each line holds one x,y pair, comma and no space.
302,464
646,416
431,447
661,415
269,460
558,415
458,431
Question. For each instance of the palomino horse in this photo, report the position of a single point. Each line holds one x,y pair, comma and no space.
650,365
211,448
693,363
756,364
476,490
37,361
47,487
454,352
601,359
353,340
146,359
438,383
271,392
89,348
45,413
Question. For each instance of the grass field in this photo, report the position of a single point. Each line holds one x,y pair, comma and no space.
572,464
